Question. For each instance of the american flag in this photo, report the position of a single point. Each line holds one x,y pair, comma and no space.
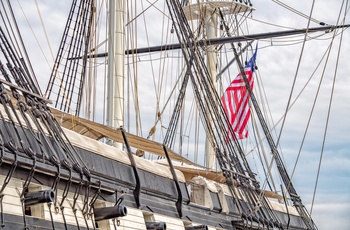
236,101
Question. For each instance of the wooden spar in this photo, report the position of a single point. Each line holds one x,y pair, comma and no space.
217,41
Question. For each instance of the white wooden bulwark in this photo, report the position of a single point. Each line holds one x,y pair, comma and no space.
134,220
171,223
11,201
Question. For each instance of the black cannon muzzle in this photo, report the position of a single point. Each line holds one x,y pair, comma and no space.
110,212
44,196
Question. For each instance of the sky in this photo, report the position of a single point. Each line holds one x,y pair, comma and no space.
332,200
278,62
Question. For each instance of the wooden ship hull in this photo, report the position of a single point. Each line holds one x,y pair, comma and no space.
146,191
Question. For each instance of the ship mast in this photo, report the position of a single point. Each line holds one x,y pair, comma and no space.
209,11
115,76
211,24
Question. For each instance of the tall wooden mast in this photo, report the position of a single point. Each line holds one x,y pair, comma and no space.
208,12
115,77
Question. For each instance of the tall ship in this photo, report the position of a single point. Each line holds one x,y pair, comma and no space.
158,114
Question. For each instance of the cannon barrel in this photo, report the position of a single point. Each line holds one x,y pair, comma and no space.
44,196
110,212
156,226
197,227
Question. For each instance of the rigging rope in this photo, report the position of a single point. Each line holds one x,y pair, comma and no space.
327,52
232,160
258,139
276,156
34,83
44,29
330,106
69,91
33,125
295,76
298,12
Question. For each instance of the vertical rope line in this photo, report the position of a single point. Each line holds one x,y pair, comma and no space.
329,108
296,73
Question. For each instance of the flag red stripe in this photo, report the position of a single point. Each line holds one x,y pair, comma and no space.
236,104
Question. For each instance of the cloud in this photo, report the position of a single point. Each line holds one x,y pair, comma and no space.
331,210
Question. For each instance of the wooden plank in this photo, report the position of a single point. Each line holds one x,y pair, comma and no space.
42,210
14,183
12,209
99,131
133,220
24,91
97,147
191,171
11,196
118,155
273,195
127,224
171,223
11,201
